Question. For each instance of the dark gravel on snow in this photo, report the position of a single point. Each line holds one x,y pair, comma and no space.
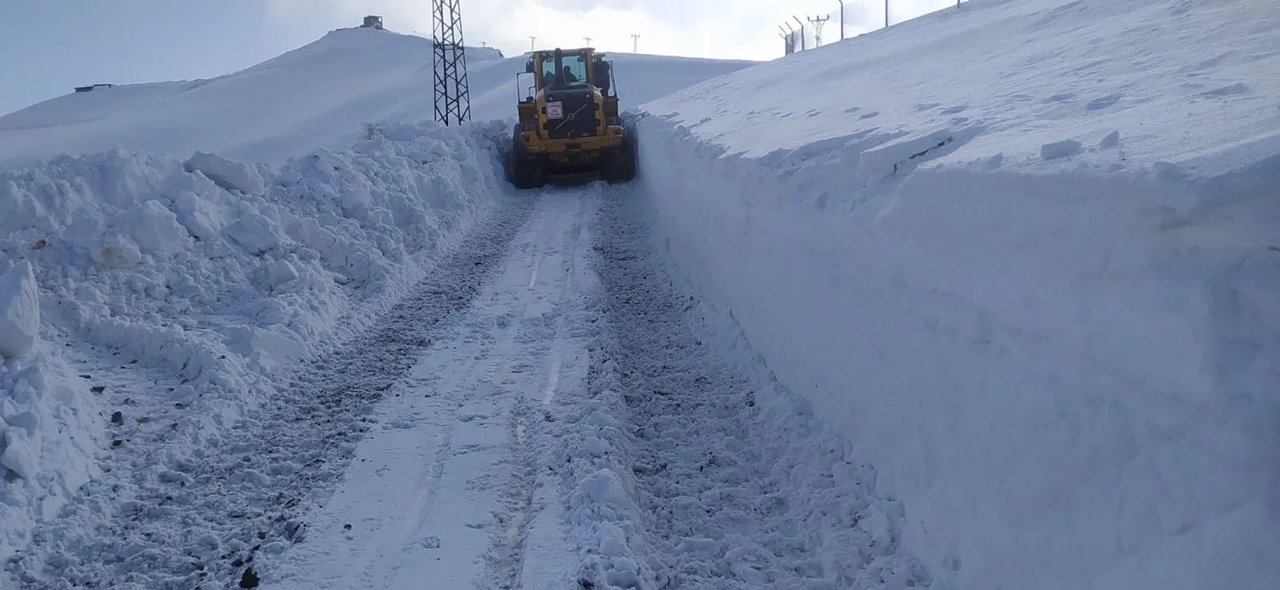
736,485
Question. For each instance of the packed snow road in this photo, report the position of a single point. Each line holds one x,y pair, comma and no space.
552,408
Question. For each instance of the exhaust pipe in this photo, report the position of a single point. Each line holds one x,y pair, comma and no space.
560,81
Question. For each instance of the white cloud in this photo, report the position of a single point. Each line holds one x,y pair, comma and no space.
744,29
700,28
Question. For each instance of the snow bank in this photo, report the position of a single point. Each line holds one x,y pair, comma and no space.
217,271
49,427
1034,279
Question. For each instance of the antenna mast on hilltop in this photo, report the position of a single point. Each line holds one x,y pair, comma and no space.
452,102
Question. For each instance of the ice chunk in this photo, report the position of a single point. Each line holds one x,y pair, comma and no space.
225,173
19,454
156,229
118,251
19,310
281,272
603,487
1059,149
256,233
1111,140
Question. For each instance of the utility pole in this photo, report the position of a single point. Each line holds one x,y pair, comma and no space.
452,102
817,23
532,39
886,14
635,43
588,40
842,19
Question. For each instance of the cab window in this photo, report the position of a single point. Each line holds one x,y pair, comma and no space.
574,63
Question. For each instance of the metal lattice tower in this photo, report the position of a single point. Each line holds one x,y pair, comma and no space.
452,101
817,23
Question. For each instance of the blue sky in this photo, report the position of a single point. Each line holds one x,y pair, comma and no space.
51,46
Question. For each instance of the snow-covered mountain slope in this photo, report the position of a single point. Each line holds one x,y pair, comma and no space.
318,95
1026,253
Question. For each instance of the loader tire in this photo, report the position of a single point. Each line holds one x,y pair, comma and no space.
524,170
620,164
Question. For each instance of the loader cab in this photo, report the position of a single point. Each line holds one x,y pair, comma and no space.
580,68
569,122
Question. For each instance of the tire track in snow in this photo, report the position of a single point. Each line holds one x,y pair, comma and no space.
718,477
523,501
202,522
480,386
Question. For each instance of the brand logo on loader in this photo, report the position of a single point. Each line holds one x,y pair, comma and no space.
555,110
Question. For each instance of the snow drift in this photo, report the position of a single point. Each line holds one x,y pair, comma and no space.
318,95
214,270
1026,255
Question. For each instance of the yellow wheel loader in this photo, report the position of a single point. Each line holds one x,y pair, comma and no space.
569,127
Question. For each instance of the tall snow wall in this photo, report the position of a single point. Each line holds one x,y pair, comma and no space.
1025,256
1069,380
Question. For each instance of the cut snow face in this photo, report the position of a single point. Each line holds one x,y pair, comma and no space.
319,95
1016,251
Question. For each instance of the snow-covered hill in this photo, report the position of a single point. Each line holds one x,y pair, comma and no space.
1026,254
318,95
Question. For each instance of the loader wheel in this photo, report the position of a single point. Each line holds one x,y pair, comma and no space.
524,170
630,151
528,173
620,164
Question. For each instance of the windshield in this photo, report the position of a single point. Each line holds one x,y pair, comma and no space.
577,69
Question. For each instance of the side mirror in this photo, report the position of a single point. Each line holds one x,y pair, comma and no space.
602,75
528,67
